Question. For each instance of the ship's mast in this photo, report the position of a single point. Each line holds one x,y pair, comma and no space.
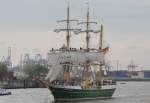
68,26
68,37
101,37
101,47
87,31
68,29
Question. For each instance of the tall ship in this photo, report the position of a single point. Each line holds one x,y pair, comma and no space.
76,73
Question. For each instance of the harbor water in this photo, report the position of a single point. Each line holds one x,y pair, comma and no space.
126,92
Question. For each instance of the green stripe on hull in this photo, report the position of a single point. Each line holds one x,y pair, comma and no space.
76,94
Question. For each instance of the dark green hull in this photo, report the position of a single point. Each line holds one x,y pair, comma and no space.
63,94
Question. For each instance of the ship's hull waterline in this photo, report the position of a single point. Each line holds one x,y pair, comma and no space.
64,94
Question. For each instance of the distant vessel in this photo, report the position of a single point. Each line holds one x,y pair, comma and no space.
133,73
76,74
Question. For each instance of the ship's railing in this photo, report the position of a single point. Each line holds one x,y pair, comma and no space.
74,83
61,82
74,50
106,82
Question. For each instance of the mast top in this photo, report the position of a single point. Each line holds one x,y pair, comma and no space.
68,29
88,30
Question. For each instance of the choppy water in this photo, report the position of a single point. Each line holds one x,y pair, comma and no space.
28,96
131,92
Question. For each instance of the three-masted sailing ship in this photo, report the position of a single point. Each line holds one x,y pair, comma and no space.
76,73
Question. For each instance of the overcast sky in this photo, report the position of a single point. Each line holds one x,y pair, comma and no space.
27,26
